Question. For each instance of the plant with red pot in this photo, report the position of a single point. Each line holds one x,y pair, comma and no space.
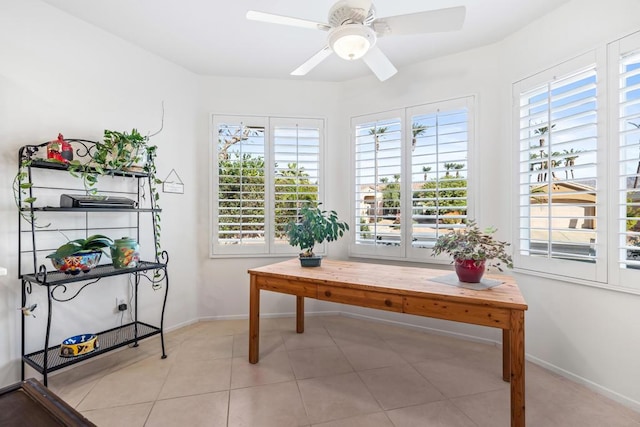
473,250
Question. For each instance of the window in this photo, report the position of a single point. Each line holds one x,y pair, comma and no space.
559,186
410,178
627,85
264,169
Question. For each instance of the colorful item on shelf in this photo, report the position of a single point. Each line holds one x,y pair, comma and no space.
60,150
74,264
125,253
79,345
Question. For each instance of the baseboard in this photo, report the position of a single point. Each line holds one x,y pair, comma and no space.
604,391
423,329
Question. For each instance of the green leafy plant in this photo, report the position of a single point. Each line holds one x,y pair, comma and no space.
314,227
471,243
22,193
94,243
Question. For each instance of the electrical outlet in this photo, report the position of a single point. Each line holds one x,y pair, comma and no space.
121,305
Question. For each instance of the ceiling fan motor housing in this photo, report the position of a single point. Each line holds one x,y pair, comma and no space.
342,13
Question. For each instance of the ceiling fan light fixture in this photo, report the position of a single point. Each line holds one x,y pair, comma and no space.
351,41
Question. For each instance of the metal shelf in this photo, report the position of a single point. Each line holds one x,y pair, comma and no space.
108,340
48,164
114,209
54,278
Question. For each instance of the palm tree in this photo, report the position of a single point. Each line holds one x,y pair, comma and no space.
543,154
426,169
448,167
457,167
635,181
570,161
417,129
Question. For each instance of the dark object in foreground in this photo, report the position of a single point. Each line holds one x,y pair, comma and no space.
29,403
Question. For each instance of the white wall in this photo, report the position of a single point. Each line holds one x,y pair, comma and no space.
58,74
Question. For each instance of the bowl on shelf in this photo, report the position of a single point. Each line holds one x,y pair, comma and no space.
78,345
74,264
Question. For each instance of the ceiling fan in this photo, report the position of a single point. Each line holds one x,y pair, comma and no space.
354,28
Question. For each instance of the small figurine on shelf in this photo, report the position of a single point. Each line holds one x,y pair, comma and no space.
60,150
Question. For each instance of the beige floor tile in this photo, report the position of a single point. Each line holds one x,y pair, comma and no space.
122,387
196,377
423,347
317,362
272,368
493,409
201,347
288,324
137,383
311,338
378,419
399,386
346,334
222,327
364,356
460,377
272,405
336,397
269,342
209,409
130,415
435,414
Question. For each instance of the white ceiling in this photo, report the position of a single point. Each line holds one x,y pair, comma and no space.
213,37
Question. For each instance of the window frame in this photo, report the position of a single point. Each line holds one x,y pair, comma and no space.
269,248
621,279
405,251
553,267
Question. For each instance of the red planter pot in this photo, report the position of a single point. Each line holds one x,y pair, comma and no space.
468,270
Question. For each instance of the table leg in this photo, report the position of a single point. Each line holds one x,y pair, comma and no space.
254,321
516,340
299,314
506,355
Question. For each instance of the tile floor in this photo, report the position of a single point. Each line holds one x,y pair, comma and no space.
341,372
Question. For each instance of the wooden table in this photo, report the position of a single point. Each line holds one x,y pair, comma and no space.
404,290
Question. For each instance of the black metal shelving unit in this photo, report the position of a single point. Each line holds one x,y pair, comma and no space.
61,287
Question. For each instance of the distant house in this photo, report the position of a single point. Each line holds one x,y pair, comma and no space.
573,204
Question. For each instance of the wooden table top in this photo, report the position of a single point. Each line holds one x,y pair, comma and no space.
401,280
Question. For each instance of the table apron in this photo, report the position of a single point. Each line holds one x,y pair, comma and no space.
361,298
285,286
477,314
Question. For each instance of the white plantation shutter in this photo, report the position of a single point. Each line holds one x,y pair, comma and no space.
411,172
296,157
559,210
240,202
264,168
439,173
629,164
378,170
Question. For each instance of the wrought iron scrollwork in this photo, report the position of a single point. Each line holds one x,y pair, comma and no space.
64,288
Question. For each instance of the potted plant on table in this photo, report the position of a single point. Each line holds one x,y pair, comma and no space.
80,254
471,249
314,226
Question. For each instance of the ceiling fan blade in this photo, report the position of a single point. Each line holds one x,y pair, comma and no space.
286,20
311,63
379,64
431,21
